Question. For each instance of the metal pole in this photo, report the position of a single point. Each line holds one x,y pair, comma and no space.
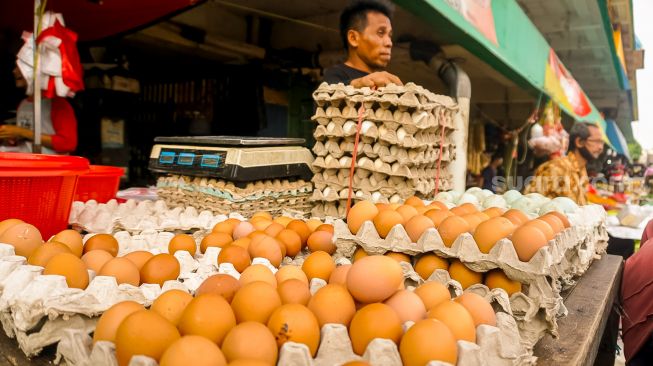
36,146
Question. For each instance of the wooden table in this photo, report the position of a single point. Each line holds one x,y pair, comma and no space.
590,309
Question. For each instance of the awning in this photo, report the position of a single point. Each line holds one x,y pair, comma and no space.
617,139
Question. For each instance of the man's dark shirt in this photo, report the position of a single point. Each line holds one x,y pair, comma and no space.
488,175
342,73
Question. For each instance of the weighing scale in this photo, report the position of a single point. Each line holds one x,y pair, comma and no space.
232,158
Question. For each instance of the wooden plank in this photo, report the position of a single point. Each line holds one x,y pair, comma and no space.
589,304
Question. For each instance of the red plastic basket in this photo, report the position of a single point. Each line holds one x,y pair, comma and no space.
100,183
39,189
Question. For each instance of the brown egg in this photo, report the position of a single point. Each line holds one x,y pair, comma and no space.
479,308
219,284
289,273
456,318
249,362
428,263
496,278
408,305
264,214
437,216
160,268
407,212
242,242
489,232
300,228
358,254
451,228
440,205
527,240
144,333
182,242
561,217
171,305
69,266
72,239
374,278
257,272
428,340
266,247
382,206
325,227
517,217
399,257
45,252
359,213
318,265
394,206
209,316
215,239
321,240
124,270
414,201
107,325
283,220
294,291
374,321
274,229
102,242
25,238
544,228
339,275
139,258
237,345
554,222
226,226
95,259
494,211
291,240
235,255
416,226
6,224
313,224
255,302
422,209
193,350
261,224
473,220
464,275
464,209
432,294
332,304
242,229
295,323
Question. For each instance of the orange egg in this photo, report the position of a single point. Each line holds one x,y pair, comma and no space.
465,208
517,217
95,259
489,232
25,238
45,252
356,363
124,271
5,224
102,242
242,242
294,292
209,316
544,227
561,217
473,220
496,278
295,323
407,212
226,226
290,272
428,340
440,205
249,362
432,294
359,213
266,247
283,220
72,239
160,268
235,255
107,325
182,242
527,240
139,258
358,254
255,302
408,305
416,226
382,206
374,278
273,229
332,304
422,209
193,350
428,263
464,275
451,228
313,224
237,345
318,265
414,201
242,229
479,308
399,257
386,220
494,211
554,222
300,228
291,240
144,333
263,214
261,224
171,305
339,275
215,239
456,318
437,216
321,240
219,284
257,272
325,227
374,321
394,206
69,266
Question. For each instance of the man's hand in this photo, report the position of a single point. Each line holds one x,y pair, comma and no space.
376,79
14,132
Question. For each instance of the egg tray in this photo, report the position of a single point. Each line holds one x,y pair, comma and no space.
387,186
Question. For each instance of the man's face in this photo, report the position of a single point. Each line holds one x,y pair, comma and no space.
594,144
374,44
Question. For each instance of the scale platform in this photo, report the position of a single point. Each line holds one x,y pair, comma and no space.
232,158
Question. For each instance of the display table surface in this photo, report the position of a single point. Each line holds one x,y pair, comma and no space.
589,304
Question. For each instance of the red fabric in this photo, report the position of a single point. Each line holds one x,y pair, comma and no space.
71,68
648,232
637,295
65,126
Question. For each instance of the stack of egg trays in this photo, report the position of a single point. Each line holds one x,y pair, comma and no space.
399,145
553,267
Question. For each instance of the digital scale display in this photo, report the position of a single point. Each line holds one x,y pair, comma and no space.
167,157
211,161
195,159
186,159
